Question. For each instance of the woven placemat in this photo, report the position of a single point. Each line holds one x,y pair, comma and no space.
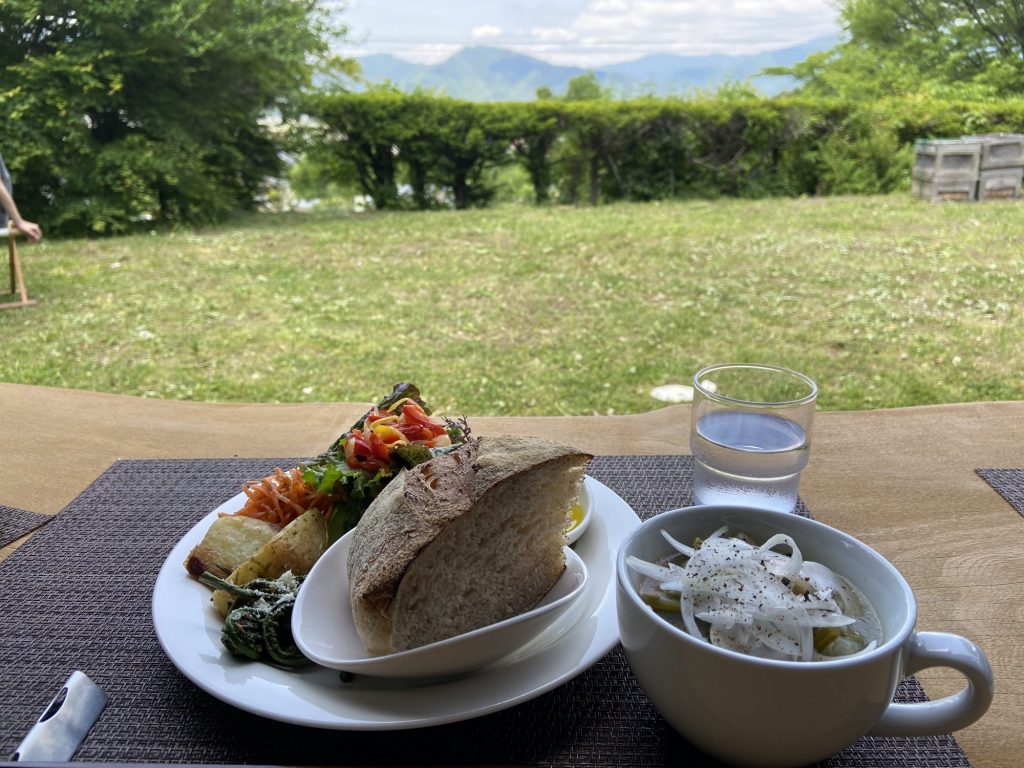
15,523
77,596
1008,483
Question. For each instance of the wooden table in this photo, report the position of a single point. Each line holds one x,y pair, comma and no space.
902,480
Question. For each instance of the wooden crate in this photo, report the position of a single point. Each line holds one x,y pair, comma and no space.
935,157
1000,184
941,188
1000,150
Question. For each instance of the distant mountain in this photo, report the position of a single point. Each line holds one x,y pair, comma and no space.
495,74
475,74
668,74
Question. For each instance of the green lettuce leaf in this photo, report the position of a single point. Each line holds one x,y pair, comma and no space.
330,473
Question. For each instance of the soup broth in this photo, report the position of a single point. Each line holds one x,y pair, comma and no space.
745,596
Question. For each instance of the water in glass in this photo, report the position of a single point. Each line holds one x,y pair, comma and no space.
748,458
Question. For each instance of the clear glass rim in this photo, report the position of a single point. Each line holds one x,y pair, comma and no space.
707,393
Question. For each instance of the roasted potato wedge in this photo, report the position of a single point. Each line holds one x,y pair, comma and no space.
228,543
295,549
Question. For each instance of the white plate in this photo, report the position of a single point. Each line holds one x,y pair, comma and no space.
325,631
189,630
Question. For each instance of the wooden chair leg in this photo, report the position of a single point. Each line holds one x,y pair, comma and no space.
13,254
17,278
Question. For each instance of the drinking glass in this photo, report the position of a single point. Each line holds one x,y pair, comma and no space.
750,434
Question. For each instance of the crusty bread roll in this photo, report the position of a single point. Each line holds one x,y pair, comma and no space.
467,539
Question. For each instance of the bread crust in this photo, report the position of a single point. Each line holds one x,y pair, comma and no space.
417,506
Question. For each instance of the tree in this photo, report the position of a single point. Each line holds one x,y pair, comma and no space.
965,40
364,133
951,48
581,152
586,87
469,139
123,112
539,128
438,142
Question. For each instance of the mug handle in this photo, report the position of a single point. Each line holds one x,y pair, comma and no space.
933,718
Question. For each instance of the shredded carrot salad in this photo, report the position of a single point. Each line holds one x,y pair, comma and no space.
370,448
281,497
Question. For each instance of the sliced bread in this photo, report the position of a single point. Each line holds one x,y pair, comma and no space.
467,539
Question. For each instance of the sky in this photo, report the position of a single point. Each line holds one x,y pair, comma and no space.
584,33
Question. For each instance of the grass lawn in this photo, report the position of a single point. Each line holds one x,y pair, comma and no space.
885,301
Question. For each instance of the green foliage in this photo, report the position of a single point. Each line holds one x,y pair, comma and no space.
511,184
861,153
119,114
469,139
958,40
322,177
444,146
732,144
950,49
854,73
363,134
586,87
536,130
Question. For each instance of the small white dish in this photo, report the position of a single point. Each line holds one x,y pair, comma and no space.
586,502
325,632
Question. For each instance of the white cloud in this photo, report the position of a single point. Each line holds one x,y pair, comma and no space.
552,34
616,30
583,32
430,53
484,32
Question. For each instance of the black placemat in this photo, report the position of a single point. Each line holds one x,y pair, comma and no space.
77,596
1008,483
15,523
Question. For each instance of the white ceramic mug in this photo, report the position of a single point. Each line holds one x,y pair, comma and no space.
759,712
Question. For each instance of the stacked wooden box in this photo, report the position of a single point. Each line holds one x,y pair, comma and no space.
946,169
984,167
1001,169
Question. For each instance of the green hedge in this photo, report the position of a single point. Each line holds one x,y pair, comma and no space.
644,149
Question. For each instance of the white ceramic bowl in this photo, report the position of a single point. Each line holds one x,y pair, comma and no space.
758,712
325,632
587,505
